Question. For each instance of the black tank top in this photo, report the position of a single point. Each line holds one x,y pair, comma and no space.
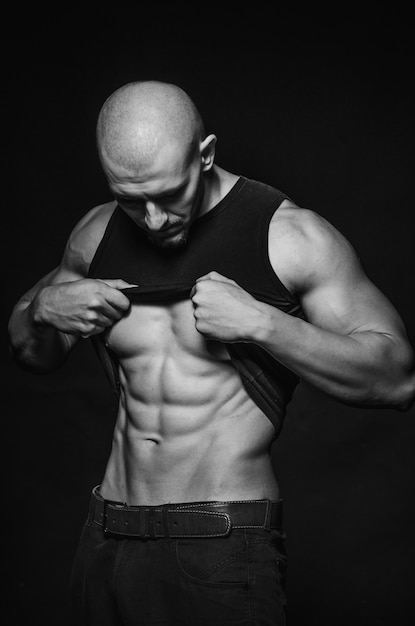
232,239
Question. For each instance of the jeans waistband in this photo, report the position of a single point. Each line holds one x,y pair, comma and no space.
187,519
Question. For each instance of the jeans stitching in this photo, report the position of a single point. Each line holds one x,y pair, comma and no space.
223,563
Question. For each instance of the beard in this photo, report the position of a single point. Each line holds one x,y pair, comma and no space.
170,243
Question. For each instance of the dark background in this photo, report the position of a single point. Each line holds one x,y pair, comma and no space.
320,106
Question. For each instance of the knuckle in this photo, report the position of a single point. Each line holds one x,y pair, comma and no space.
90,316
86,329
201,287
95,301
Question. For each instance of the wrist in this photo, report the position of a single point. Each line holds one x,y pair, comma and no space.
263,327
37,310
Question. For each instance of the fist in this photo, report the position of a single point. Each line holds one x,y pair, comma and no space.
223,310
82,307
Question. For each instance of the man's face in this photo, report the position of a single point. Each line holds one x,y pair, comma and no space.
162,198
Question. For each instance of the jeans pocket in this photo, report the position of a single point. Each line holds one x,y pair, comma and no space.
215,561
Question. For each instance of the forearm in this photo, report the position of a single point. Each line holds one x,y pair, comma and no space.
361,368
33,344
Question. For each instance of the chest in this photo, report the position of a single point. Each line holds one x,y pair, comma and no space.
161,330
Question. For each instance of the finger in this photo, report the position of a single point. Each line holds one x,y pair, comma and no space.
100,325
216,276
111,309
116,299
205,277
92,333
197,289
116,283
222,279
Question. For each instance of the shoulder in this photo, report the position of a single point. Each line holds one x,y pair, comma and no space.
302,225
305,248
86,236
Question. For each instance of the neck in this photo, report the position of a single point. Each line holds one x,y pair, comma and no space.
216,184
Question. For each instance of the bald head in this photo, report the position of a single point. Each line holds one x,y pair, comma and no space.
140,117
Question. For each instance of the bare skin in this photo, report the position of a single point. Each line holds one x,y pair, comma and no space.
186,429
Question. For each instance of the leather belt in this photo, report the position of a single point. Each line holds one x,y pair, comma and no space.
188,519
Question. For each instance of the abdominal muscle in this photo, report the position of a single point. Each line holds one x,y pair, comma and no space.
186,428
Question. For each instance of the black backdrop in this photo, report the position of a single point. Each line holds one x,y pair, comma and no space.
323,111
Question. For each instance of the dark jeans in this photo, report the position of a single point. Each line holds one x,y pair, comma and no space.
238,579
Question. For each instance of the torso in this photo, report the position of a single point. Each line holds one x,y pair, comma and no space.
186,428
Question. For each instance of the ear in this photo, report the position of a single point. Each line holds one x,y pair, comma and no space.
207,152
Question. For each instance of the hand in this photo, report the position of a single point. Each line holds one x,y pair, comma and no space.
82,307
223,310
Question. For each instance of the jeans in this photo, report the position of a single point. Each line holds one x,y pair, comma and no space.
120,581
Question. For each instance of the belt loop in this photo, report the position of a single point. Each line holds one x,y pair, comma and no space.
142,512
268,511
151,524
165,520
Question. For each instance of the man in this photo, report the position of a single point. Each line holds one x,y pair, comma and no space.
208,297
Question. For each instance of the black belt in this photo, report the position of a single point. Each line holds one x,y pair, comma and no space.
188,519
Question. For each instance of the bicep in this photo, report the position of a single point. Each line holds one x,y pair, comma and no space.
340,297
319,265
346,301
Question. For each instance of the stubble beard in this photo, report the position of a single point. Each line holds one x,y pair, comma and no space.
175,243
